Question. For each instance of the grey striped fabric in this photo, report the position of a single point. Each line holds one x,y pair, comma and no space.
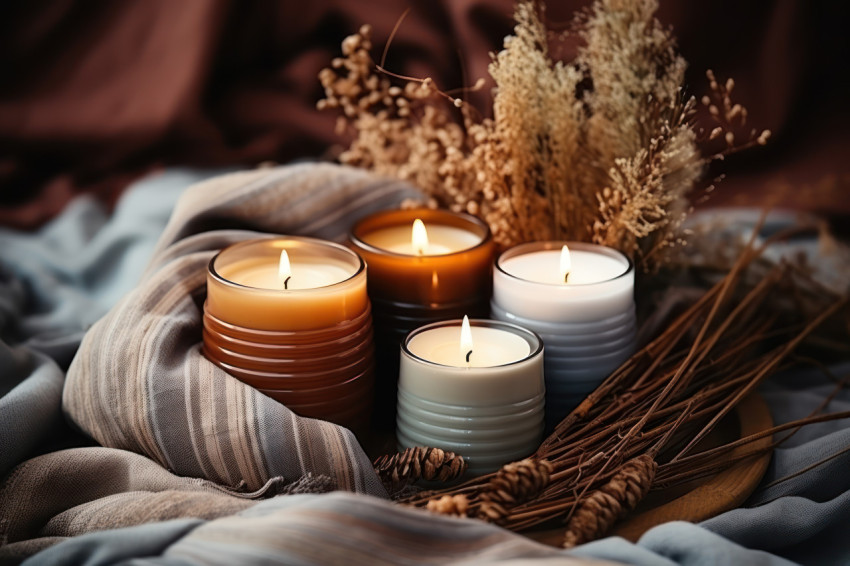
139,381
344,529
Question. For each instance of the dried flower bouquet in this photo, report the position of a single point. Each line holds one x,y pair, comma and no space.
602,148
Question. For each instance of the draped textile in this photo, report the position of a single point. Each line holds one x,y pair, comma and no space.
153,494
139,381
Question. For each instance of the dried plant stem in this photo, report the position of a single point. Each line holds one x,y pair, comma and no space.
655,351
685,464
764,371
672,393
601,148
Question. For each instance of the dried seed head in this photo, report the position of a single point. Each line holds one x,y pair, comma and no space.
534,170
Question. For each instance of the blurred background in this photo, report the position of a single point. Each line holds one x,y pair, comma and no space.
96,93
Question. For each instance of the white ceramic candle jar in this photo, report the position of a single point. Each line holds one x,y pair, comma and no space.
581,303
481,397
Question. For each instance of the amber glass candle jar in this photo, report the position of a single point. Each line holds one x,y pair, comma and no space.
414,282
301,335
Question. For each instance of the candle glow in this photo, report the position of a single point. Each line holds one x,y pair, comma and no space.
316,285
419,237
419,275
284,270
566,263
465,339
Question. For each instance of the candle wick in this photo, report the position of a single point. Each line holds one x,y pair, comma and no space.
286,282
469,353
566,276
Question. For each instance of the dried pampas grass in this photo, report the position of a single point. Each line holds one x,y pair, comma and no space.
600,149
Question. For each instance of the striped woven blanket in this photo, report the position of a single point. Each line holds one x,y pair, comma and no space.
139,381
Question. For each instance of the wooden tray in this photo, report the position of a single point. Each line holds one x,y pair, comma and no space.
704,498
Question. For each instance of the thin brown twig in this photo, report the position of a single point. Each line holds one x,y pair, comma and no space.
764,372
383,62
802,471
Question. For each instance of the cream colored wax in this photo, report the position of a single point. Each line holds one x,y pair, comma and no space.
490,347
327,285
441,240
505,365
528,282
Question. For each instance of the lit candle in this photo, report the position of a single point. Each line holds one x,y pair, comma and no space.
246,285
486,405
566,265
425,257
290,316
465,346
424,265
419,240
529,281
309,273
580,298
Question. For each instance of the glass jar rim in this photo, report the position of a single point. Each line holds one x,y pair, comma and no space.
550,245
357,237
359,264
535,342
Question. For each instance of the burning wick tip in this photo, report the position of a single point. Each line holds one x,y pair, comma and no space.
469,353
286,282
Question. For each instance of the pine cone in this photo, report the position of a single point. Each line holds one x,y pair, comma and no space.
418,462
454,505
611,502
513,484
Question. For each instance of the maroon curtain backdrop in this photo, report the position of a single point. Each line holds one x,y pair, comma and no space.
94,93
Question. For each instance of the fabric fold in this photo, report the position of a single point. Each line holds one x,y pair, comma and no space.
30,396
139,381
71,492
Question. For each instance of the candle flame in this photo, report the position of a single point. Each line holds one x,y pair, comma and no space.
566,264
285,269
419,237
465,339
